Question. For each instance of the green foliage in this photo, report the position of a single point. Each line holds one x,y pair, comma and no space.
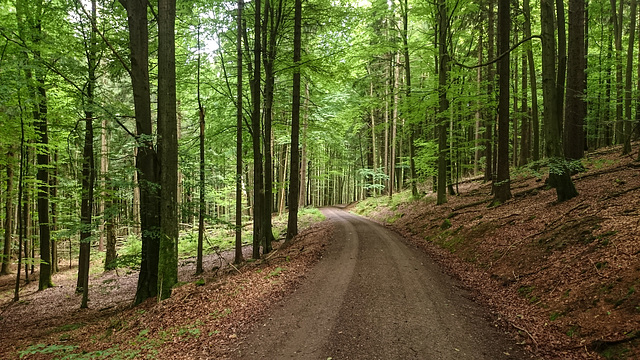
68,352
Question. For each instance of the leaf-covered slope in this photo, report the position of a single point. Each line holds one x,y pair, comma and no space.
565,274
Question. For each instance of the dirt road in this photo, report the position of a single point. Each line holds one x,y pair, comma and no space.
373,297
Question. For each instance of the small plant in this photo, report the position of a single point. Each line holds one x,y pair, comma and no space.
275,272
555,315
446,224
200,282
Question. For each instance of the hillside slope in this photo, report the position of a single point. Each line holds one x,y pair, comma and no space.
566,275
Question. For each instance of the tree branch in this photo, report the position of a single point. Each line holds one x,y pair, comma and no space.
501,55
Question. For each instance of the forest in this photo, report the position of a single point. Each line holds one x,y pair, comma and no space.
136,134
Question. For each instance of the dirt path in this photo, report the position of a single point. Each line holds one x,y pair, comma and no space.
373,297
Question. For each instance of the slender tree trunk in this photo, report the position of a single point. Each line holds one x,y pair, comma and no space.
8,221
560,177
88,170
146,158
616,16
21,222
407,69
239,123
628,122
258,175
490,117
167,149
443,69
576,107
476,157
535,121
562,62
303,160
503,185
201,184
294,184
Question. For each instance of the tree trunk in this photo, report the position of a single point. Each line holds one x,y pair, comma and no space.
294,184
576,107
146,159
88,170
239,123
201,183
535,121
628,122
559,176
443,68
303,160
616,16
407,69
167,149
8,221
490,116
503,185
258,175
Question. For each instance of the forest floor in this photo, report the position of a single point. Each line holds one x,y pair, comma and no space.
559,278
565,275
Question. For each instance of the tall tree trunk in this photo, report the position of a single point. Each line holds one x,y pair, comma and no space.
576,107
535,121
628,122
503,185
88,169
272,21
146,158
21,222
258,175
294,183
303,160
525,142
562,62
167,149
476,157
490,116
8,221
559,176
616,16
239,123
201,184
443,69
407,69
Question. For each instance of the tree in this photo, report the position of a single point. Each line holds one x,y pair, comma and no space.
443,68
559,176
576,107
88,165
628,123
239,123
294,183
167,149
8,219
503,185
146,159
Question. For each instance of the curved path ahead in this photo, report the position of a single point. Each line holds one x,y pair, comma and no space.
373,297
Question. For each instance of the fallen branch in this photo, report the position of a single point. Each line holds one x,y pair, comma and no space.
528,333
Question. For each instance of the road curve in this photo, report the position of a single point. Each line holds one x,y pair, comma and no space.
373,297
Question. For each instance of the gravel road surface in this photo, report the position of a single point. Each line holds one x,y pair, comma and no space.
373,297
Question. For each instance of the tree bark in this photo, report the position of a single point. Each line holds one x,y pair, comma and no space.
503,185
576,107
239,123
443,69
167,149
146,159
294,183
8,220
628,122
535,121
559,176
